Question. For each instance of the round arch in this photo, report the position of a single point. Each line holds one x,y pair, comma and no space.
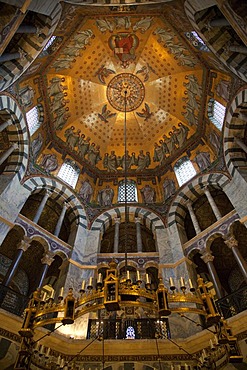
60,192
235,157
19,134
191,191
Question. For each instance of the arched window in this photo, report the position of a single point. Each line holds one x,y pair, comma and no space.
49,43
196,41
33,120
216,113
69,172
130,333
131,191
184,170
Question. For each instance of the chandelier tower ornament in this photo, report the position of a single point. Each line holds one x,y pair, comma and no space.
125,86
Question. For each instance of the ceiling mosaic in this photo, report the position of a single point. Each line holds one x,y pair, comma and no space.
140,61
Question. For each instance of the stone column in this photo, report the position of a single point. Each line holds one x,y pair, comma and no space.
213,204
21,248
218,22
238,49
8,152
138,234
46,261
208,258
241,144
60,220
116,235
193,218
41,206
232,243
11,56
27,28
5,124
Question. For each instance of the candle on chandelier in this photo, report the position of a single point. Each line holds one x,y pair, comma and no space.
128,275
182,282
90,281
147,279
138,276
99,278
83,285
191,284
171,282
61,292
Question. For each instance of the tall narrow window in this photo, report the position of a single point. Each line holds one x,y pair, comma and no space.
184,170
196,41
49,43
216,113
69,172
131,191
33,120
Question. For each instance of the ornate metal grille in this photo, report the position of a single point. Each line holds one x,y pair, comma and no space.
131,191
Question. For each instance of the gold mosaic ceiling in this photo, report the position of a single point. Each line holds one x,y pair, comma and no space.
143,54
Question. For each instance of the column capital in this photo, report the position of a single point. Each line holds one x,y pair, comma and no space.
207,257
48,258
24,244
230,241
137,220
117,220
15,146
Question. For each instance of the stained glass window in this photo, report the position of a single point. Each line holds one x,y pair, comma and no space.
131,191
69,172
184,170
49,43
216,113
33,120
130,333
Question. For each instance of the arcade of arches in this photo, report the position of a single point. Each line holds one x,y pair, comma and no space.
68,71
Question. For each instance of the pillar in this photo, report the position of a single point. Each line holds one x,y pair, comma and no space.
213,204
21,248
27,28
208,258
8,152
41,206
218,22
20,54
193,218
46,261
138,234
116,235
238,49
5,124
232,243
241,144
60,220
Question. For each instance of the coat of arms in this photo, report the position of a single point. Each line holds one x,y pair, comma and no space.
124,46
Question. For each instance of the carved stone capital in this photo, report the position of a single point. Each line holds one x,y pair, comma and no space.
117,220
137,220
47,259
231,242
24,244
207,257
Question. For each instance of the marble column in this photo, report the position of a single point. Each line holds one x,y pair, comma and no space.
60,220
41,206
21,248
116,235
218,22
138,234
238,49
27,28
208,258
46,261
8,152
20,54
213,204
5,124
241,144
193,218
232,243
